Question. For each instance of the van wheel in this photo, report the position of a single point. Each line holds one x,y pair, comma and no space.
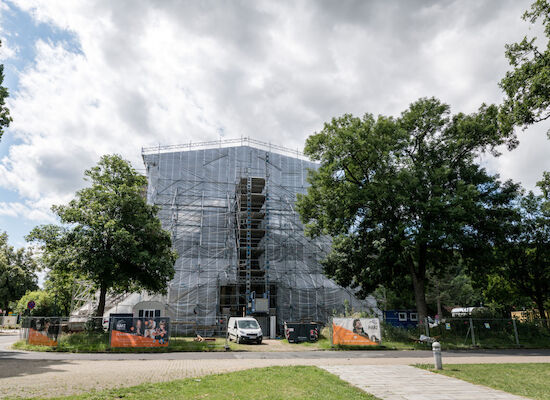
259,341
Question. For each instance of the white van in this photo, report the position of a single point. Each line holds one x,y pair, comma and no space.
244,329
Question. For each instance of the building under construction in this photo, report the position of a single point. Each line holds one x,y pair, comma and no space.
229,206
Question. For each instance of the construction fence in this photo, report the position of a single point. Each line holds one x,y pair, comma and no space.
96,333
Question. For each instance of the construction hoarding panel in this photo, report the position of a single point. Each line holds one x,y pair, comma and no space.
139,332
356,331
44,331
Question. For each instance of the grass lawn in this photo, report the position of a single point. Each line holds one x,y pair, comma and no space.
262,383
529,380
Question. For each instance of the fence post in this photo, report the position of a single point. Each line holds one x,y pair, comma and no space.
427,326
331,322
515,331
473,334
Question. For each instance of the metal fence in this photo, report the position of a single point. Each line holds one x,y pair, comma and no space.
93,333
475,332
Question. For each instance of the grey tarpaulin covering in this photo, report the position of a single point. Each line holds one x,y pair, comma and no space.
195,189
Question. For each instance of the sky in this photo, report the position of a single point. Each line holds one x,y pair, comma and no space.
88,78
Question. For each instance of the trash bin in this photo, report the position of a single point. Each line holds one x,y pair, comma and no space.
297,332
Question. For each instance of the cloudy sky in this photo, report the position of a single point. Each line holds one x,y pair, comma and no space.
93,77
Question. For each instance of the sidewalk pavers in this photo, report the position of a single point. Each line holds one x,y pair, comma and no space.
48,374
403,382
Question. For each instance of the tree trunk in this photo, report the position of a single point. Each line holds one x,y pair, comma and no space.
418,273
102,295
439,310
542,312
420,296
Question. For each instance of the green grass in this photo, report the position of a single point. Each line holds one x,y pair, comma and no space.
323,343
529,380
275,383
500,336
99,343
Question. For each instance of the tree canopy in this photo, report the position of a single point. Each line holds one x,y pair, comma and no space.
524,259
17,272
110,234
403,195
5,118
452,287
527,85
524,262
60,283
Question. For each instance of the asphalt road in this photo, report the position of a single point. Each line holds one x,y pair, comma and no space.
7,354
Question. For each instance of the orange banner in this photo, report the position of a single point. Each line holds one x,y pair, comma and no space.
122,339
40,338
356,332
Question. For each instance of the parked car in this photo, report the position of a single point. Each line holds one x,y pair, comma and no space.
244,329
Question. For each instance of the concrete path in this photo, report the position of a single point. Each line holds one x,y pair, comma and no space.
402,382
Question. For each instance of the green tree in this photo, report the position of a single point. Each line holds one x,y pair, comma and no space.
395,299
61,277
44,304
527,85
60,283
5,118
525,257
501,295
110,234
17,272
403,195
452,287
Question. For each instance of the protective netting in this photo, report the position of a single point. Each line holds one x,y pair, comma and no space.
198,193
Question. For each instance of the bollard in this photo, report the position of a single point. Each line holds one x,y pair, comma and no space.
436,348
226,344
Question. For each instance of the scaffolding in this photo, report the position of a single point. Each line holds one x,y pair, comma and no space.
229,206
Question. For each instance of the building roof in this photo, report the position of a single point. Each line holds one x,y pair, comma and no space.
217,144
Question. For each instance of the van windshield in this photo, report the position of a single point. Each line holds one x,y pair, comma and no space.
248,324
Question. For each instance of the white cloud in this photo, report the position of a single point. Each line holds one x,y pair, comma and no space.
169,72
29,211
7,50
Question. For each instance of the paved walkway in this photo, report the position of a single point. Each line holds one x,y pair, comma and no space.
402,382
47,374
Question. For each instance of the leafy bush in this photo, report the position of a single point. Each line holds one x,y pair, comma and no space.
44,300
396,334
